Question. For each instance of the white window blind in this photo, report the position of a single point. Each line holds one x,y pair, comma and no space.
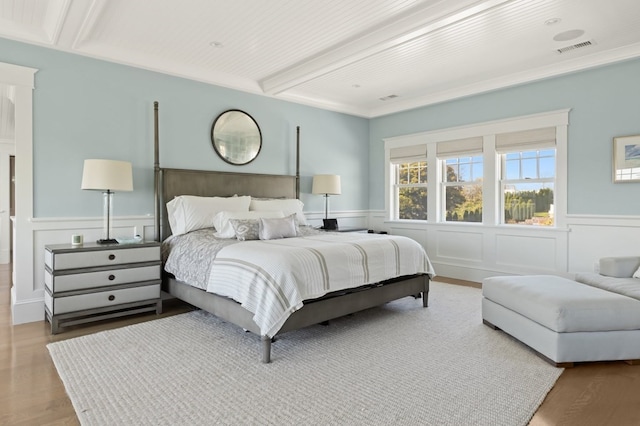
528,139
408,154
456,148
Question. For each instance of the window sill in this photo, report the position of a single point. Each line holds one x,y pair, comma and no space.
501,227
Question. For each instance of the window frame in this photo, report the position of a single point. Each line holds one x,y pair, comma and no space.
444,184
492,210
395,164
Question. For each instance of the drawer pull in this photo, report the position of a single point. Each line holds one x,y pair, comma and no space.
112,277
112,298
112,256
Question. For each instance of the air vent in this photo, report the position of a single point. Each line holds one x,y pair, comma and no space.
386,98
575,46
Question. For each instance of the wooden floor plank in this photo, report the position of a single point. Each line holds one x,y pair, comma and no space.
33,394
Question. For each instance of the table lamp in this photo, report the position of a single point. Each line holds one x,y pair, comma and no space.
327,185
107,176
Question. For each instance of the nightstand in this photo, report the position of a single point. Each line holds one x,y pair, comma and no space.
93,281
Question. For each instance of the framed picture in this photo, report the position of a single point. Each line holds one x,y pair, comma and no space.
626,159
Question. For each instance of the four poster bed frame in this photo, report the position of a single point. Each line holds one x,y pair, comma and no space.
170,183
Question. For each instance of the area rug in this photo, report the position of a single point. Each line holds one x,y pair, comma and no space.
396,364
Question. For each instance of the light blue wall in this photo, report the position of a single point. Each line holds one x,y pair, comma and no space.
87,108
604,102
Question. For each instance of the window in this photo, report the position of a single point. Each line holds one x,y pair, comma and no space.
411,190
462,189
528,174
409,171
461,179
505,172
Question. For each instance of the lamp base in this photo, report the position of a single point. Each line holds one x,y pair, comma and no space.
330,224
107,241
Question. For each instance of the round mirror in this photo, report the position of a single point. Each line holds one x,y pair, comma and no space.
236,137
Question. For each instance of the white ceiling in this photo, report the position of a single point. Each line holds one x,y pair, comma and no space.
342,55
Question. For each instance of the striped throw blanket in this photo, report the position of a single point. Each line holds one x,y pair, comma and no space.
272,278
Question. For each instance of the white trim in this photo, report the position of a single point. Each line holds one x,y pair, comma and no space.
58,230
423,20
7,149
475,266
574,248
16,75
488,130
603,220
29,310
28,291
23,79
490,183
473,250
561,185
553,70
513,124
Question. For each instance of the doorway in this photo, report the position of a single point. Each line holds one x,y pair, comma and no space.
7,168
12,201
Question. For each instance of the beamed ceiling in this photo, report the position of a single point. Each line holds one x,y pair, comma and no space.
363,57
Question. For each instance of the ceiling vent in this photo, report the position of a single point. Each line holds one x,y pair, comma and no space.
386,98
575,46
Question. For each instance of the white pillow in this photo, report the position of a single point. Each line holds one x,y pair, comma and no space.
224,227
636,274
271,229
286,205
188,213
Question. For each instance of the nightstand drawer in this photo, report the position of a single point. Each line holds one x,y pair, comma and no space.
92,281
79,302
68,282
85,259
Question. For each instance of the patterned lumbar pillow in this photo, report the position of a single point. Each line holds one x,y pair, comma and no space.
246,229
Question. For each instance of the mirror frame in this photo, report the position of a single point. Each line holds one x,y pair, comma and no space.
216,144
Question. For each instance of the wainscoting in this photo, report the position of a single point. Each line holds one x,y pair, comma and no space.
27,294
471,252
461,251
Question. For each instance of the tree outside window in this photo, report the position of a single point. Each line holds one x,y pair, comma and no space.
527,187
462,188
411,189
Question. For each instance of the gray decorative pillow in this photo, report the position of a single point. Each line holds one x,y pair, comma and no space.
271,229
246,229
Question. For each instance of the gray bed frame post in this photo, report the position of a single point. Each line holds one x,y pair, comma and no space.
156,173
298,162
170,183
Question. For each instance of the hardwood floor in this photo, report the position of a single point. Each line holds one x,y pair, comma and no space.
33,394
31,391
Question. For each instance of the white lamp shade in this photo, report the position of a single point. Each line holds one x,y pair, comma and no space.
107,175
326,184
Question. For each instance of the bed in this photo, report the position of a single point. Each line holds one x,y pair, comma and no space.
171,183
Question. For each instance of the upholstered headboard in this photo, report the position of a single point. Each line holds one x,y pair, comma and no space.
170,183
204,183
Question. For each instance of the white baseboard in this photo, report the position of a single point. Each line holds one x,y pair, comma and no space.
26,311
27,293
467,253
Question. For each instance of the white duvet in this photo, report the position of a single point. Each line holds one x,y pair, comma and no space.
272,278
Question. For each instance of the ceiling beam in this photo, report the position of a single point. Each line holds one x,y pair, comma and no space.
415,23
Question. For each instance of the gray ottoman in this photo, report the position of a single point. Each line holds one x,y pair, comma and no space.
562,320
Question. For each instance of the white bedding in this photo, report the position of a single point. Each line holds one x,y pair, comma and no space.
272,278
